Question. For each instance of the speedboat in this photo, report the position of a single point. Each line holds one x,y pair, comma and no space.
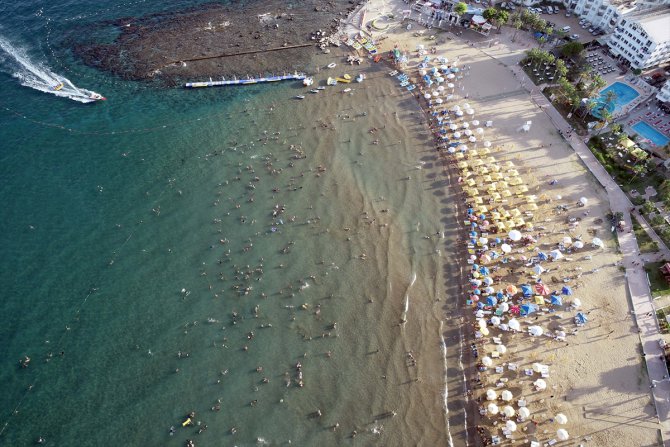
97,97
300,97
332,65
314,90
58,87
321,87
308,81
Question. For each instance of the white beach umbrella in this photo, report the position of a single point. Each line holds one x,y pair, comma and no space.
538,269
514,324
436,93
427,95
583,200
423,72
472,139
506,395
483,240
597,242
487,144
487,281
451,76
482,323
510,425
504,307
450,85
567,240
491,394
457,135
466,106
535,331
440,88
450,97
459,113
453,126
577,302
451,150
467,132
492,409
578,244
555,255
462,147
455,108
479,130
509,411
540,384
444,67
495,321
470,111
506,248
484,331
439,101
524,412
561,419
487,361
537,367
515,235
439,79
475,123
501,349
465,125
562,434
479,314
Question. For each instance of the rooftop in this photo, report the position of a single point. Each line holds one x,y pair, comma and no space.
656,22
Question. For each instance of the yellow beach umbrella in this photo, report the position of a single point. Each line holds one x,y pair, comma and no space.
501,225
506,193
495,215
478,200
473,153
493,186
531,199
519,222
496,176
487,179
530,207
471,182
513,173
483,170
516,181
503,185
495,196
459,155
490,160
483,210
462,164
484,151
508,164
521,189
515,212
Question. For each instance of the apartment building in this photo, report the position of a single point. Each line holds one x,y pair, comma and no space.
642,38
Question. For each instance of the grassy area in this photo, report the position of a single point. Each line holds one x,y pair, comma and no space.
662,322
644,242
659,286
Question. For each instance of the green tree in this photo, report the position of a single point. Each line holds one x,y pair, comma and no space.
502,19
605,119
561,70
460,8
597,82
490,14
572,49
648,207
517,26
541,41
616,129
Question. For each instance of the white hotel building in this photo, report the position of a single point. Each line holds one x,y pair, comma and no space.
642,38
603,14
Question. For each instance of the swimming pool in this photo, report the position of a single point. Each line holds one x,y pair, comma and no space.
646,131
624,94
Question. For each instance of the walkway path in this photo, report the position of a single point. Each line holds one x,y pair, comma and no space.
643,308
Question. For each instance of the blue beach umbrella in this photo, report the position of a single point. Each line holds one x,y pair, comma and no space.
473,234
566,290
491,301
527,309
480,305
556,300
526,290
484,271
475,267
477,292
498,240
500,295
542,256
580,318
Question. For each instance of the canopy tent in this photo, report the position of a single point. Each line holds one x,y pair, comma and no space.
556,300
527,309
526,290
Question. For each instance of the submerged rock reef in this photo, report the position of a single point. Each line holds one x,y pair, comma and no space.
211,40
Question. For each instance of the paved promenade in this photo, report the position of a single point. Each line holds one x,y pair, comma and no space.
643,308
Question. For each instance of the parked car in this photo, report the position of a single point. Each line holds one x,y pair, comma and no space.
573,37
567,14
565,29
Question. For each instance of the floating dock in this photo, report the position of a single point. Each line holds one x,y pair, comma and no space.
246,81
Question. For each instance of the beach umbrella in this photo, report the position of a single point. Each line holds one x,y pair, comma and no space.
467,132
502,349
427,95
597,242
481,322
524,412
567,240
459,113
439,101
479,130
578,244
472,139
514,324
562,434
509,412
485,259
526,290
527,309
479,314
535,331
475,122
492,408
506,248
555,255
538,269
511,289
451,150
561,419
491,394
462,147
440,88
566,290
495,321
487,144
542,256
465,125
577,302
504,307
449,84
491,301
583,201
436,93
470,111
453,126
488,281
439,79
487,361
510,425
451,76
457,135
483,241
580,318
484,331
540,384
542,289
514,235
489,291
556,300
466,106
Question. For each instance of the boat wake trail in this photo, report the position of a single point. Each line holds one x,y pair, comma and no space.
39,77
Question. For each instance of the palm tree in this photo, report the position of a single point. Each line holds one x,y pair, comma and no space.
596,84
502,19
517,25
561,70
605,118
610,96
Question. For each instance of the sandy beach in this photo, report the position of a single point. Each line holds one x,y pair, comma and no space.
596,376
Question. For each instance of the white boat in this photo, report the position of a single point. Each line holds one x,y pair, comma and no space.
300,97
97,97
314,90
331,81
321,87
346,90
332,65
308,81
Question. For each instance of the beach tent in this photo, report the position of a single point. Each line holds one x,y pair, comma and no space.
542,289
527,309
566,290
562,434
526,290
555,255
556,300
561,419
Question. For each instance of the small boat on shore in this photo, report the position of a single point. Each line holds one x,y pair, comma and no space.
331,65
345,80
308,81
314,90
360,77
321,87
331,81
300,97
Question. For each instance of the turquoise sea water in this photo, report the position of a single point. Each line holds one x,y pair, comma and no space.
171,250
